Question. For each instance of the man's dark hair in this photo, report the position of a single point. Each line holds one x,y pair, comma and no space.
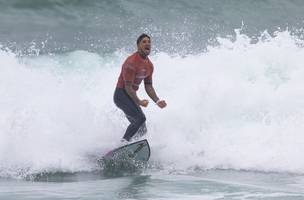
142,36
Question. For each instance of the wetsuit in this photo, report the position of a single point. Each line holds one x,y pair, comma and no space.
135,69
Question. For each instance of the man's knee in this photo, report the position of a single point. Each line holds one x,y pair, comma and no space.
142,130
140,119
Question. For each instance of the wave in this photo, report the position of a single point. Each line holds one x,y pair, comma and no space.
185,27
239,105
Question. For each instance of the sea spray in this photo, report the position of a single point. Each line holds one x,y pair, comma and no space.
238,105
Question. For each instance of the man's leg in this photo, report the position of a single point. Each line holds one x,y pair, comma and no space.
142,129
134,126
133,111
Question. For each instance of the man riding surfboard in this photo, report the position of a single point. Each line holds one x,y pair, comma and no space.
135,69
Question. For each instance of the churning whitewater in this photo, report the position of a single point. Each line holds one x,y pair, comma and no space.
238,105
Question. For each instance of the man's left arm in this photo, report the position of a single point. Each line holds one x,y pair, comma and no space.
152,94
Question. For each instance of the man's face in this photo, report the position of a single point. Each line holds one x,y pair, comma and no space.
144,46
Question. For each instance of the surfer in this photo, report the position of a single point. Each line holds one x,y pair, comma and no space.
135,69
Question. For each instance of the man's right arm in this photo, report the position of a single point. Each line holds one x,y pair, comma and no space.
129,76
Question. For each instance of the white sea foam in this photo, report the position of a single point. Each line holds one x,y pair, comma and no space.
239,105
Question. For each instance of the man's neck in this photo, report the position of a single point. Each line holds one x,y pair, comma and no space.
142,55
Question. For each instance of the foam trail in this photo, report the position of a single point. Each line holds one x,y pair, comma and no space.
239,105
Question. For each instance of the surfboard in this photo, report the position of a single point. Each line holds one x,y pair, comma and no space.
128,156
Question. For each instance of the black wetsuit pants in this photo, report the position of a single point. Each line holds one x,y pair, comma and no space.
133,113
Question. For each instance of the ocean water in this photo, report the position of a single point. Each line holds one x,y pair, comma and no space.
231,73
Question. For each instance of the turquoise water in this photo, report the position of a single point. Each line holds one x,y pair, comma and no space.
214,184
182,27
230,71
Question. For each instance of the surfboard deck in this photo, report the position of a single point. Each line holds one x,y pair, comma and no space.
132,155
